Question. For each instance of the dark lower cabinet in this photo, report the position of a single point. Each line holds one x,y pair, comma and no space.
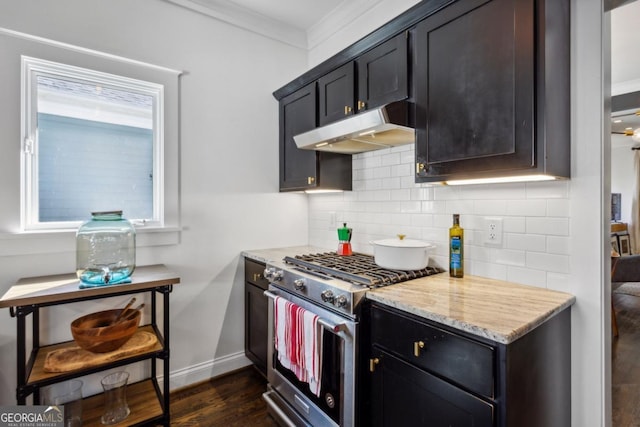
256,306
422,373
403,395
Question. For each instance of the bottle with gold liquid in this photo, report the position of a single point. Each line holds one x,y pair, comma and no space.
456,248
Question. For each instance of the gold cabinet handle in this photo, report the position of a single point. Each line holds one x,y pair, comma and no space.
257,276
373,363
361,105
417,346
311,180
347,110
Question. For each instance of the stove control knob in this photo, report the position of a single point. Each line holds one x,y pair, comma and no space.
341,301
267,273
298,284
278,275
327,296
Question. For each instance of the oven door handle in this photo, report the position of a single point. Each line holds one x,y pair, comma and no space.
336,328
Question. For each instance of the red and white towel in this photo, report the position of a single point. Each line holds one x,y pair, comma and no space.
299,342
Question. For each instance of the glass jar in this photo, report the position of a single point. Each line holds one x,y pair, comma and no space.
105,249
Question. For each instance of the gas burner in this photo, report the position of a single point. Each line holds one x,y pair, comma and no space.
359,269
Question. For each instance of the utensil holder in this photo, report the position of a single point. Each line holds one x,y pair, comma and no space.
115,399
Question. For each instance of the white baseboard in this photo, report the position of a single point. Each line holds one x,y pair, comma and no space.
205,370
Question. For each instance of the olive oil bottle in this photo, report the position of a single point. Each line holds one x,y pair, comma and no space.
456,248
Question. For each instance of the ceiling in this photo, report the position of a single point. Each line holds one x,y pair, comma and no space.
294,22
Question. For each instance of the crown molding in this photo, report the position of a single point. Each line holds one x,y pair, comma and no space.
340,17
246,19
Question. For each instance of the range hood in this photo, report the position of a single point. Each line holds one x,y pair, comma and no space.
374,129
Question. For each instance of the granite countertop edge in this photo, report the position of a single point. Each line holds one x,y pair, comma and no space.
503,338
516,330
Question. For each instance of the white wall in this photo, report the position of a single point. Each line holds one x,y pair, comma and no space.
228,158
622,173
554,232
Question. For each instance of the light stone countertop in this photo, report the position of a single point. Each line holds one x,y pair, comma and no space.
494,309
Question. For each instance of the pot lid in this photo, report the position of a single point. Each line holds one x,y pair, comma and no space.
401,242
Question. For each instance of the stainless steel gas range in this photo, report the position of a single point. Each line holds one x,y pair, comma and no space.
332,287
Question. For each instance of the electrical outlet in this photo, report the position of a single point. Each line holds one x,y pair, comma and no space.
332,221
493,231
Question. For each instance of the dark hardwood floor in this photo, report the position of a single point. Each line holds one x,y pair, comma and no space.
625,361
234,399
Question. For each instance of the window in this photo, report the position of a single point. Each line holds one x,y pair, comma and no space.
92,141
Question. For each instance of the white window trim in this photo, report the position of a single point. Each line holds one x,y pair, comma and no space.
14,240
34,67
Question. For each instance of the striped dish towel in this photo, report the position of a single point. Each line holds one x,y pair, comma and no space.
299,342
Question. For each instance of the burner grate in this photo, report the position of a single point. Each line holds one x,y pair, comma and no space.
358,268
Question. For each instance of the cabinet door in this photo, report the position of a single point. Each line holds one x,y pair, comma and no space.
403,395
336,94
298,168
475,89
383,74
255,338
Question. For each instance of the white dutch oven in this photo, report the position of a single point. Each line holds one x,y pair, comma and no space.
401,253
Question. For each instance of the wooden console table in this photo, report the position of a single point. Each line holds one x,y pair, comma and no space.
147,402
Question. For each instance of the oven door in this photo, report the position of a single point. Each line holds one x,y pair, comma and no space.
289,399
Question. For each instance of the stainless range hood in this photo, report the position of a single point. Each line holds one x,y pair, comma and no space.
378,128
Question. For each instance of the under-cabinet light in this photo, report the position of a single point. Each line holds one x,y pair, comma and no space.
318,191
499,180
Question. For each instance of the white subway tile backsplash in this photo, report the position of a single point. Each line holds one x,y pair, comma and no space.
372,162
400,219
432,206
548,262
421,220
422,193
533,207
548,190
559,207
386,201
410,207
462,207
526,242
558,282
490,207
390,159
527,276
494,191
485,269
558,245
402,170
407,182
401,194
514,225
551,226
391,183
444,192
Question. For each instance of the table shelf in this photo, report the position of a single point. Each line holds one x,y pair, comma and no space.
148,403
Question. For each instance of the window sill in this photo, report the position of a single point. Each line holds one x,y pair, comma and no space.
47,242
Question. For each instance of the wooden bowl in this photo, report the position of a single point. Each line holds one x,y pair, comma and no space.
96,333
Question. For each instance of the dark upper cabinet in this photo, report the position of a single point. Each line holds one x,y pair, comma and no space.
375,78
383,74
336,93
482,107
305,169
